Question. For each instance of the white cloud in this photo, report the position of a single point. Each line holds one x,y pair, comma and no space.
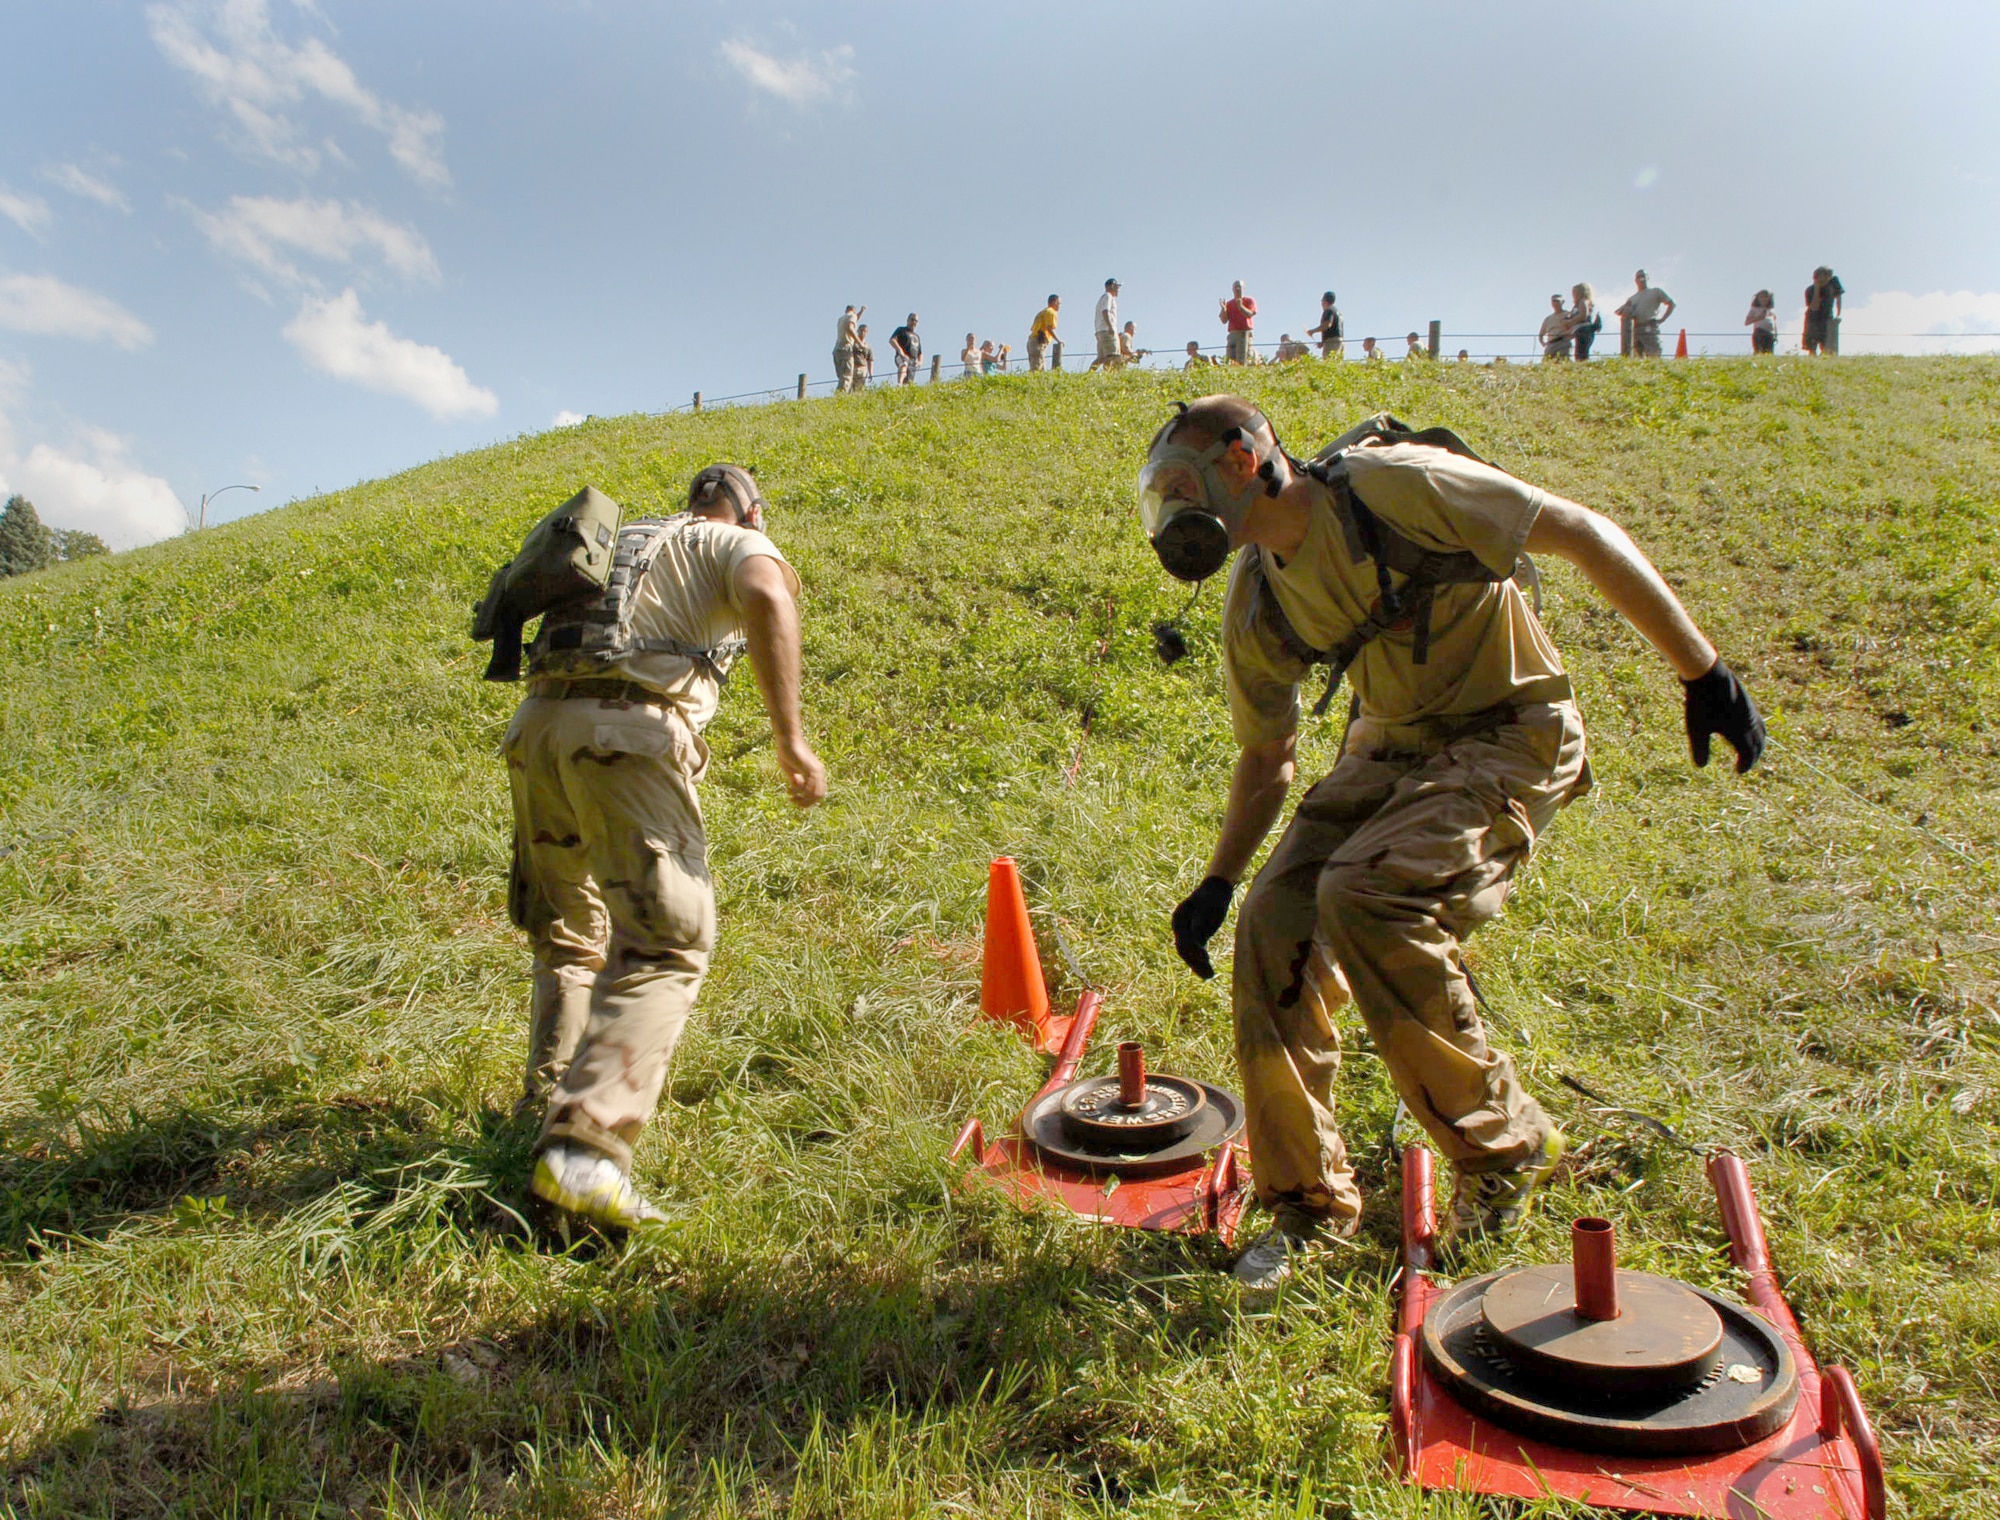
257,230
99,489
28,212
338,340
39,303
91,485
88,187
804,80
568,419
1896,322
243,66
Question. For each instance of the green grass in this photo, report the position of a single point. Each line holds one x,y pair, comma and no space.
261,1014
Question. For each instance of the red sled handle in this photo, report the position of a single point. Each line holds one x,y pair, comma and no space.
1840,1411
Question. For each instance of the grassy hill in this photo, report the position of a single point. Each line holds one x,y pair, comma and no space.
261,1014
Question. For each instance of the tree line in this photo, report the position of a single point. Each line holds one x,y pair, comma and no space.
25,544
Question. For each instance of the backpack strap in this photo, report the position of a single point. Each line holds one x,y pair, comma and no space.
1368,537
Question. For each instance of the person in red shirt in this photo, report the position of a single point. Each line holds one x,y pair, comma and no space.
1239,315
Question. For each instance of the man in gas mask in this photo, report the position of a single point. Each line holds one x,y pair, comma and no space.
1397,558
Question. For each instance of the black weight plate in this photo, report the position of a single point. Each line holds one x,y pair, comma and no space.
1221,1119
1096,1119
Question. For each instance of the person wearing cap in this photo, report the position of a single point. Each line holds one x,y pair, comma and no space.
1395,558
610,876
1646,308
1042,335
1104,327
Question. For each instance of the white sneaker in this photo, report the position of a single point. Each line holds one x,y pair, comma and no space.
591,1185
1269,1260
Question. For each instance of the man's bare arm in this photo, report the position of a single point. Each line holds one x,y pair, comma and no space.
1256,796
1625,578
771,624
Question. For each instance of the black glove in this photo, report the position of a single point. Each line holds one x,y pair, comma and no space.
1718,704
1197,918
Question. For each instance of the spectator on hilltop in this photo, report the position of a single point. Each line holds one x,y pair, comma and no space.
1465,356
1042,335
1196,359
1329,332
1129,351
1648,306
843,347
1822,335
1763,323
861,368
969,355
1104,327
1416,350
1289,348
908,348
1584,322
992,359
1369,350
1554,336
1238,315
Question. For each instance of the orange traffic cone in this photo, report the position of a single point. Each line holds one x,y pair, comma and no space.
1010,984
1681,348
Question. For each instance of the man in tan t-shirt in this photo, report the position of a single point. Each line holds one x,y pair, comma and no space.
1399,560
610,876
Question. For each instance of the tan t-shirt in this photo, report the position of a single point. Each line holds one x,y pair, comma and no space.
1486,644
689,596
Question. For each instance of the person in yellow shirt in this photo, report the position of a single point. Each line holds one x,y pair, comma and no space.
1042,335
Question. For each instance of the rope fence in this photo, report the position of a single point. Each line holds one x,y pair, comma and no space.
1431,346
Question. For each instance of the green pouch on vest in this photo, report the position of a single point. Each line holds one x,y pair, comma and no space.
566,557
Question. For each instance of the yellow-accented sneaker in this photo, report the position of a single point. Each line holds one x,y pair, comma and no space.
580,1181
1486,1204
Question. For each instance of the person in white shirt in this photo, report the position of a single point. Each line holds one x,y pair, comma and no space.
843,347
1763,323
1129,351
1105,326
969,355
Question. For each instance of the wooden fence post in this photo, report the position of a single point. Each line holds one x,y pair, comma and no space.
1624,337
802,387
697,400
937,363
1436,328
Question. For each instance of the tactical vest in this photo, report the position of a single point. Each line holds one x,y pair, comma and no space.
584,638
1367,537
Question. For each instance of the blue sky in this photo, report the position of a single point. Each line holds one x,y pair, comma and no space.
298,245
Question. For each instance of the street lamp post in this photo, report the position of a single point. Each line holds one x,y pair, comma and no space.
202,521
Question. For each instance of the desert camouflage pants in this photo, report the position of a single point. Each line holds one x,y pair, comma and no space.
610,881
1406,847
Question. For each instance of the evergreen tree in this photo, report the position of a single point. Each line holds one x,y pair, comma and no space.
24,543
77,543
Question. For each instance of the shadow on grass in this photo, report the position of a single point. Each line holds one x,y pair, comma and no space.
742,1381
196,1157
